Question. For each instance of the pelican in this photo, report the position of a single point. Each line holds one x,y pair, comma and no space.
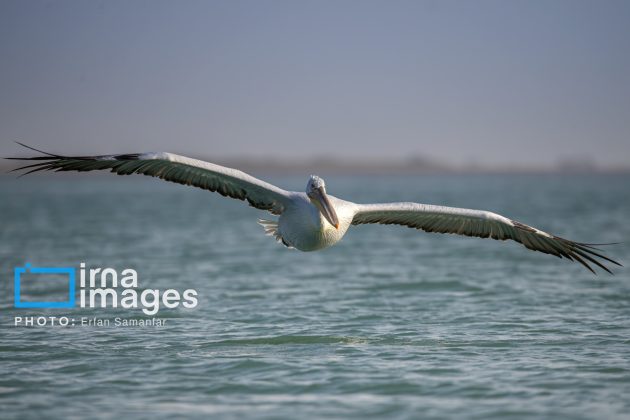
314,220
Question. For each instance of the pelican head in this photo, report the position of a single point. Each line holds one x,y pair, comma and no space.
316,191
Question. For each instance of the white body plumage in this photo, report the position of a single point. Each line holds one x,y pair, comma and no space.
304,227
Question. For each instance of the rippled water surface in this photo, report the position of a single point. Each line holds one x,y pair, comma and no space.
391,322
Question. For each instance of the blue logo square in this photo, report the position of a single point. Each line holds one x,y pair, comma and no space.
18,271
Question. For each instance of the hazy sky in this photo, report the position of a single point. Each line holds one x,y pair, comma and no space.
494,82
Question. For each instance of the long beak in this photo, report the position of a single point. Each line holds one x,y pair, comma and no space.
326,207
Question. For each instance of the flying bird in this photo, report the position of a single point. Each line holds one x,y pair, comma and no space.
313,220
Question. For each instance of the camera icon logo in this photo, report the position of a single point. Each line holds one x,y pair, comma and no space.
17,278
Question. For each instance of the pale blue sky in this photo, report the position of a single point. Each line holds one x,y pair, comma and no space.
493,82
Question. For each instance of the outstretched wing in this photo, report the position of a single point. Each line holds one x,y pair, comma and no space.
482,224
174,168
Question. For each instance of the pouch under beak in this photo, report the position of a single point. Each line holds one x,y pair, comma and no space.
326,207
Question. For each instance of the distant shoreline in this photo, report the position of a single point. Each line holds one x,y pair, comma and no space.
413,167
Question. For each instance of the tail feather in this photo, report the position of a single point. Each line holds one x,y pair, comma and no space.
271,229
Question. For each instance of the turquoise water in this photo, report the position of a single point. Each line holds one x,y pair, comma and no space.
391,322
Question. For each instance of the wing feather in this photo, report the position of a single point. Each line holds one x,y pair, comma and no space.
482,224
170,167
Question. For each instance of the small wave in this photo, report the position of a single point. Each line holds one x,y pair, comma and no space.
290,339
428,285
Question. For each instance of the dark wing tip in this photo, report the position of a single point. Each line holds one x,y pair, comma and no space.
43,162
52,161
590,253
36,150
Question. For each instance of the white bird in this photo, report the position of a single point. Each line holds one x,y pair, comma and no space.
315,220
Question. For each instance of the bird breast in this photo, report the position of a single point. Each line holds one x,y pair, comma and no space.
302,226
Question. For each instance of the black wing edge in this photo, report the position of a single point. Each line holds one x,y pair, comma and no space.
581,252
49,161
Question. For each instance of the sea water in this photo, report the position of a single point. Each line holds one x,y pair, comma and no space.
391,322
